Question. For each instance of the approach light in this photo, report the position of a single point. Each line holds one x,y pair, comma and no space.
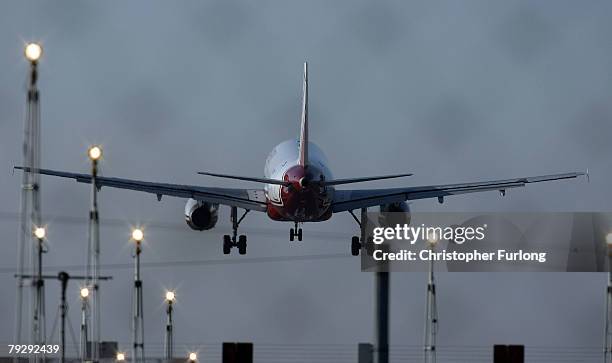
40,232
120,356
33,52
170,296
94,153
84,293
137,234
193,357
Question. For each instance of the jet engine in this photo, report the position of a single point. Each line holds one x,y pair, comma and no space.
394,214
201,215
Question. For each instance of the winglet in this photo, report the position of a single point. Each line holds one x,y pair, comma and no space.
304,127
588,176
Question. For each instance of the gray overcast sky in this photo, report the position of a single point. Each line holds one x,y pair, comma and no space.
452,91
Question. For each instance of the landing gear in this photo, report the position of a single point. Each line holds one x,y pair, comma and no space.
295,232
361,242
242,245
234,240
227,244
355,246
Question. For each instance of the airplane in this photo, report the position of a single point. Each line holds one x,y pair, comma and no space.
298,187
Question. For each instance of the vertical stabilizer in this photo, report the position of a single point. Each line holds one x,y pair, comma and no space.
304,129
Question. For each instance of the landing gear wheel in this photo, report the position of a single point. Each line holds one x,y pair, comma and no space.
362,242
355,246
234,239
227,244
295,232
242,244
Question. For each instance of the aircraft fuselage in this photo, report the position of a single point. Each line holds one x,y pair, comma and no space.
304,200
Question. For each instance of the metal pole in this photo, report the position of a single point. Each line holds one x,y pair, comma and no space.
431,314
382,317
33,105
63,277
39,305
93,263
35,211
84,328
138,323
169,331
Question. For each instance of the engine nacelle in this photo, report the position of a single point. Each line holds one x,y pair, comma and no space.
201,215
394,214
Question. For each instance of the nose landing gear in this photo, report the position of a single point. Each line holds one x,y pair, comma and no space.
295,232
234,240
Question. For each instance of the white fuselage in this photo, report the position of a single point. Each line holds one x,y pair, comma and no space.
283,164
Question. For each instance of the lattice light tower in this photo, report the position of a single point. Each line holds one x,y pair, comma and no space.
84,336
431,309
39,328
138,355
93,254
170,298
30,207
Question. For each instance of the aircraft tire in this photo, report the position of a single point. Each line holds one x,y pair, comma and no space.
227,244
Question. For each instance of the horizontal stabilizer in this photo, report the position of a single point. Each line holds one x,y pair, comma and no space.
359,180
247,178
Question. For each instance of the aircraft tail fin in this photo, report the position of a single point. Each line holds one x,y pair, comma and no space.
304,125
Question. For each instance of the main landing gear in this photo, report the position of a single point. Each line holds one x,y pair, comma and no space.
295,232
359,242
234,240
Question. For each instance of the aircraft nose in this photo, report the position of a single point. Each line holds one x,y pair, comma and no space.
303,182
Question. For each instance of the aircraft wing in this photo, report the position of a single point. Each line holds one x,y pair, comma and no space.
252,199
345,200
